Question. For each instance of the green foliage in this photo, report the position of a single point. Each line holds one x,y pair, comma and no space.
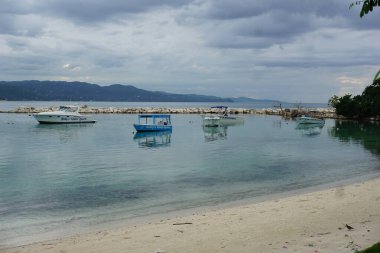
374,249
361,106
377,76
367,6
348,106
371,99
333,101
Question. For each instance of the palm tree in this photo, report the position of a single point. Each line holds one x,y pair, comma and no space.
367,6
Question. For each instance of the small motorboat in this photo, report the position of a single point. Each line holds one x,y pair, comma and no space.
310,120
222,118
66,114
153,122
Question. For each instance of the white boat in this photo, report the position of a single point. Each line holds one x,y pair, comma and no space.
67,114
309,120
222,118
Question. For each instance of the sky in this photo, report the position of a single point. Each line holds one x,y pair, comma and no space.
295,51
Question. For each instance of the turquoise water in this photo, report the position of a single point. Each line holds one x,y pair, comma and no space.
61,179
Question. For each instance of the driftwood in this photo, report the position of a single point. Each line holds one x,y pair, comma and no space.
182,223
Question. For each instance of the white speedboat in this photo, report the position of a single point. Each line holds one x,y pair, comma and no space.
64,115
309,120
222,118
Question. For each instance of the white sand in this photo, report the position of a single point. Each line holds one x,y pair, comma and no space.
313,222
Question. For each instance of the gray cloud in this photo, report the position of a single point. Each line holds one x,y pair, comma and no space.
256,24
86,10
20,25
21,18
225,9
264,49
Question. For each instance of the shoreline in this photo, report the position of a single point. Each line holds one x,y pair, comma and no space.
211,225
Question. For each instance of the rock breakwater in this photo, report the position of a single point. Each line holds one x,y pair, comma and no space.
289,113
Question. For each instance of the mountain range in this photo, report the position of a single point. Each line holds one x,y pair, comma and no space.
32,90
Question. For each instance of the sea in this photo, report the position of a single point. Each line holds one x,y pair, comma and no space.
11,105
60,180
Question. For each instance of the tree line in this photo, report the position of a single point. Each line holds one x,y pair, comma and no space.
361,106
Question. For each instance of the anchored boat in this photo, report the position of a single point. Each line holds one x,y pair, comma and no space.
153,122
64,115
222,118
310,120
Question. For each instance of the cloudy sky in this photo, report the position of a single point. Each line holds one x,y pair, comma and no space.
296,51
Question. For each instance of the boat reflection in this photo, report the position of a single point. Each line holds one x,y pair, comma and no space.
64,132
153,139
215,133
310,130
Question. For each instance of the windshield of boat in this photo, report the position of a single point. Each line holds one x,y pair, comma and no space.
68,108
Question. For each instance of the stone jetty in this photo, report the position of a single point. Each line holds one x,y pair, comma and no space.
289,113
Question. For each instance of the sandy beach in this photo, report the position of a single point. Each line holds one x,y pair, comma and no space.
312,222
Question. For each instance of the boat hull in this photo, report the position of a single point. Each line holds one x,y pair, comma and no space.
151,128
62,119
310,120
221,120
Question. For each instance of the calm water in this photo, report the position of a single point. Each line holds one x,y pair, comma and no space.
60,179
9,105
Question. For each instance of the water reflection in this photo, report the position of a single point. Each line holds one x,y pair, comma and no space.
65,132
365,133
153,139
310,130
215,133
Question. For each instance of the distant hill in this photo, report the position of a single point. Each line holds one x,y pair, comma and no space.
80,91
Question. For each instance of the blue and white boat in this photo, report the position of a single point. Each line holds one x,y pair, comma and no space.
153,122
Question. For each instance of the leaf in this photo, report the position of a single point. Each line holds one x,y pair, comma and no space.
362,13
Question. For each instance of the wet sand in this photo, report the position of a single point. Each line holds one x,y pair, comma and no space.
311,222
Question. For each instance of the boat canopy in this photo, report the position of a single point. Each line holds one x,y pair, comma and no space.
154,116
155,119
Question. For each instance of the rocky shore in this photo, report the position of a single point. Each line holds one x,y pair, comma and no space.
291,112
